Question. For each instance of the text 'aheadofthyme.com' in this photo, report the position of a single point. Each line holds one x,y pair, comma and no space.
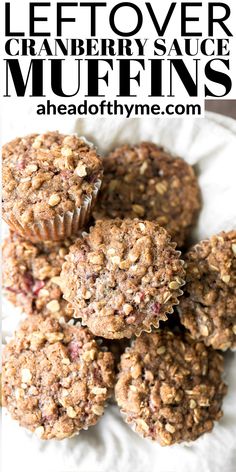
124,58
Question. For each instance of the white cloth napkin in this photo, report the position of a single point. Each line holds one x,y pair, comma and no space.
209,144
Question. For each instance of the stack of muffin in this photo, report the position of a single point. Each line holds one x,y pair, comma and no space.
94,259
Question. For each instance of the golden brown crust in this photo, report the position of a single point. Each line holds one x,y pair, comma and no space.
147,182
169,387
208,306
122,277
56,378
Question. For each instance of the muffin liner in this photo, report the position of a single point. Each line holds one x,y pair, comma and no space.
139,330
156,325
175,302
59,227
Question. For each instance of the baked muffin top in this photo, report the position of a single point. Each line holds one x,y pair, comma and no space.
208,306
122,277
170,387
146,181
56,378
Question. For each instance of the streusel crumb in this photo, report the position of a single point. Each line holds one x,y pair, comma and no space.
56,378
170,387
122,277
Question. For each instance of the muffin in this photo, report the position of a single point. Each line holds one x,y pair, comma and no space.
31,276
147,182
56,378
116,347
208,306
50,184
123,277
169,387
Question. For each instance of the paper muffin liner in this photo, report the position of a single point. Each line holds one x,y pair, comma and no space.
169,310
156,324
147,328
59,227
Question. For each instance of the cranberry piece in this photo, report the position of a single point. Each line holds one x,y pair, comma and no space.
21,164
152,430
13,290
31,284
48,418
156,307
74,350
37,286
28,280
97,374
